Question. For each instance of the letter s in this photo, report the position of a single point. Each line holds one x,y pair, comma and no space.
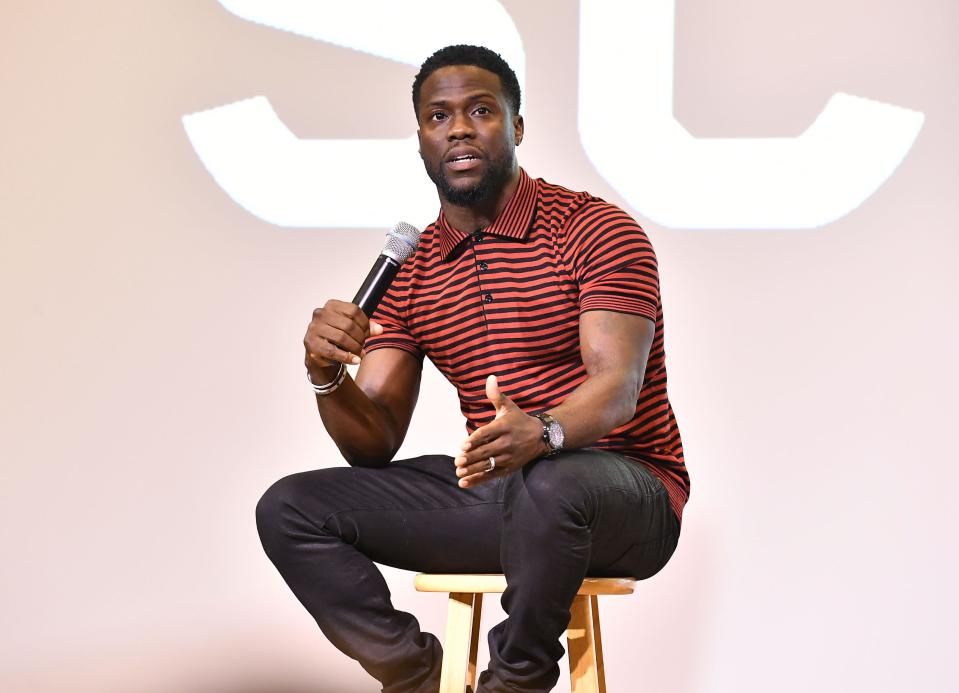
289,181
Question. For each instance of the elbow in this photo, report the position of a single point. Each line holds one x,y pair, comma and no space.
628,399
625,414
373,454
365,458
377,447
367,462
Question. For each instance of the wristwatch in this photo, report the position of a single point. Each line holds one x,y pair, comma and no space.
553,434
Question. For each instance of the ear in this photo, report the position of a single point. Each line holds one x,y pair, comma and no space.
518,128
419,143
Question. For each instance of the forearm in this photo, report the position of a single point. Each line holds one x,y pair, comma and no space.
615,348
600,404
604,401
366,418
364,432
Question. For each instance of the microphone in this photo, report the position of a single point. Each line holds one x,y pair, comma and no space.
401,242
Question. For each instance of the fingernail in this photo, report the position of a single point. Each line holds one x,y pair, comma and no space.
355,360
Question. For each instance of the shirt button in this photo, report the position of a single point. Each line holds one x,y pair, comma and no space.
483,266
477,236
488,298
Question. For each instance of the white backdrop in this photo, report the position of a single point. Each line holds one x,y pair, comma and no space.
152,326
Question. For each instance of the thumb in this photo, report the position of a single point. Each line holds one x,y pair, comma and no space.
499,401
375,329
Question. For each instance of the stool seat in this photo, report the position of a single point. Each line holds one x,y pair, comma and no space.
466,592
496,582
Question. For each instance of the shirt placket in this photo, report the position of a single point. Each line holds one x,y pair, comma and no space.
481,270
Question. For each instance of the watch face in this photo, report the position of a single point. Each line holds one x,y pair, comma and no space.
556,435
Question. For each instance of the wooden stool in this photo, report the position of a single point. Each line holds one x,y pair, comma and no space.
463,621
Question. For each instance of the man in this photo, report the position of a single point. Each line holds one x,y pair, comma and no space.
541,306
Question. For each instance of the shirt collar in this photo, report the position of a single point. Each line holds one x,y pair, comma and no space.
513,222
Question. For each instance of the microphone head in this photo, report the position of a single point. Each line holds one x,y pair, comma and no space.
401,242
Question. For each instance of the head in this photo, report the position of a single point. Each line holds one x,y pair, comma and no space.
466,100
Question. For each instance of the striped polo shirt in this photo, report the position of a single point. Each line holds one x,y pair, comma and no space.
505,301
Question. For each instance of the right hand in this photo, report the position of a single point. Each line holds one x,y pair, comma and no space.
336,335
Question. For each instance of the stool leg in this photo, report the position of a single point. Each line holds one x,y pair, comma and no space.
460,645
474,641
585,643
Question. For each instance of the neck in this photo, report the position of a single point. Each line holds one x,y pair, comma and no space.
480,215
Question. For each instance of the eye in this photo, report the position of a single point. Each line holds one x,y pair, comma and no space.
482,110
437,116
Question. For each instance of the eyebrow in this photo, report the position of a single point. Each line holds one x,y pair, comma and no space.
475,96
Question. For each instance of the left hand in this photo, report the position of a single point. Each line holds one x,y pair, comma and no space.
513,438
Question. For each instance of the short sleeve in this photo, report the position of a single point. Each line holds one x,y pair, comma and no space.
391,314
612,261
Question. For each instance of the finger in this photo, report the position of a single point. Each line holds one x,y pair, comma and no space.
480,466
348,308
351,311
346,318
375,328
347,325
334,322
484,435
320,350
477,460
475,479
314,351
323,352
342,339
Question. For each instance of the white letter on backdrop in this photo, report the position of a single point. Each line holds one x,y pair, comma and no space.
289,181
681,181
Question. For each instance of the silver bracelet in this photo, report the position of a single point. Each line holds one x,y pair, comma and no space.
331,386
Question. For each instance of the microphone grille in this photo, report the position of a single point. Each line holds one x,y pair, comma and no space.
401,242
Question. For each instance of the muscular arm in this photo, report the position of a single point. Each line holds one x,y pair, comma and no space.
367,418
614,348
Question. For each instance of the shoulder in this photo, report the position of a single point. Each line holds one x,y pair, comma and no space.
558,203
578,212
596,216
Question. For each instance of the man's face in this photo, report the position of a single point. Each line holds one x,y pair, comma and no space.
467,134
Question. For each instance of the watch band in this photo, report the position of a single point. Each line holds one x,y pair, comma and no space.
550,424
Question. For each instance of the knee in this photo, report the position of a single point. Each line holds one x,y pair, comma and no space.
550,490
274,508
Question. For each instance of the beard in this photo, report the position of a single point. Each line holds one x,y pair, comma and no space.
498,174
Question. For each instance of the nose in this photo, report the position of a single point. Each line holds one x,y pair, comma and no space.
461,127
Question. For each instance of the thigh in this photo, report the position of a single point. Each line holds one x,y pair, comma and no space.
410,514
633,530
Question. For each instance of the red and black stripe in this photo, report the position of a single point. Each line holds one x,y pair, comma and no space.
506,301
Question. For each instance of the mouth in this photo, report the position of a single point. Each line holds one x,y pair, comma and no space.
463,161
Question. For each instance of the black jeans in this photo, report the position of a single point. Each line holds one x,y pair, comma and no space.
583,512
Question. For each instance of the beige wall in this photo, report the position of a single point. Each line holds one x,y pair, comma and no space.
152,384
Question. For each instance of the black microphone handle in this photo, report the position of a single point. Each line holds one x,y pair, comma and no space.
376,284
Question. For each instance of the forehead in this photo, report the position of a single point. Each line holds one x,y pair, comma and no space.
459,81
